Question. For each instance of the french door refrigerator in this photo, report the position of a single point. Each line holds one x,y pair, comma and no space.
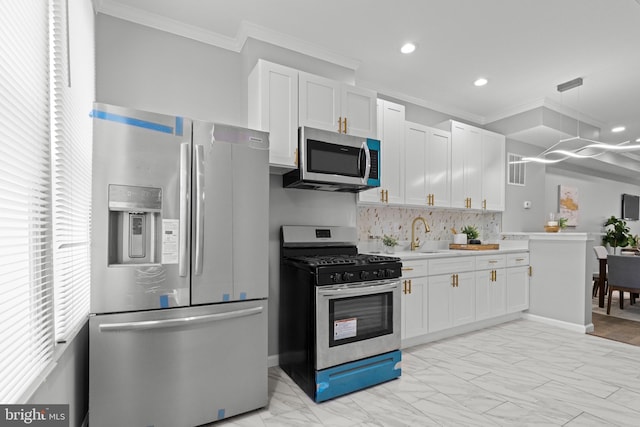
179,277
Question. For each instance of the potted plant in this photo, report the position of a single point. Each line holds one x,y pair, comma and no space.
389,243
471,231
562,223
616,233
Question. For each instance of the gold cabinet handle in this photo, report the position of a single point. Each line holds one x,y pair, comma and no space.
344,121
409,285
530,271
339,124
520,259
469,202
493,261
407,269
295,157
484,204
404,287
386,196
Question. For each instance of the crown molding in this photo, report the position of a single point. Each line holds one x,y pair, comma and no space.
162,23
246,31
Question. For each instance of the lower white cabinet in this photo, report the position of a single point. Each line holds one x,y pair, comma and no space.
443,293
451,300
414,298
451,296
491,286
518,275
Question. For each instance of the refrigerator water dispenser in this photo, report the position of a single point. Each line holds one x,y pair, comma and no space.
134,218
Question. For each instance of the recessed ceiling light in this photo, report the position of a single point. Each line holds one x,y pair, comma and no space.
408,48
618,129
481,82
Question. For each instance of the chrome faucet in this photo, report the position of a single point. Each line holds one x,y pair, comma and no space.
415,242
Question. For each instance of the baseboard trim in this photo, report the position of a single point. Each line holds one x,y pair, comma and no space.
559,323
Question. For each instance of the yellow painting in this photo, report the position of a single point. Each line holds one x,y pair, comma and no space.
568,206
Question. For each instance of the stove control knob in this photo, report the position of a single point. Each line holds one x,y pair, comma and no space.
364,275
335,277
380,274
347,277
388,272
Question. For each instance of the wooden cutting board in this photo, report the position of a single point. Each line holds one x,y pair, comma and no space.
482,247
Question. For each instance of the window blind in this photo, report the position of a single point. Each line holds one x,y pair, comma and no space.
72,95
26,333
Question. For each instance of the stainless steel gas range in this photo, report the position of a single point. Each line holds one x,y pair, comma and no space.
339,320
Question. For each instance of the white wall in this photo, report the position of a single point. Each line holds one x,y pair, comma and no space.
598,198
143,68
516,217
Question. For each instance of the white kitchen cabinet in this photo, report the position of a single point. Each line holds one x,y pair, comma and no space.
466,166
493,171
451,296
414,298
337,107
273,107
427,166
491,286
477,167
391,131
517,278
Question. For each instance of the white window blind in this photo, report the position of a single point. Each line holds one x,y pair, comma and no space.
72,84
26,333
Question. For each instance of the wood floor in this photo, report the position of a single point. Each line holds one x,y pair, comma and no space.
621,325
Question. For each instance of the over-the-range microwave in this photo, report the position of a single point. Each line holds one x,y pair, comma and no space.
333,161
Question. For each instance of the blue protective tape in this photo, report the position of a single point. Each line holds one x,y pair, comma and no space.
374,145
164,301
103,115
220,414
226,297
243,295
346,378
179,123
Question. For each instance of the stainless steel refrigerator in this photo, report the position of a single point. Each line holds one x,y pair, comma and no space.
179,277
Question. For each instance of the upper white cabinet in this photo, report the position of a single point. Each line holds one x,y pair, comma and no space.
427,166
338,107
280,99
273,107
493,171
477,167
391,134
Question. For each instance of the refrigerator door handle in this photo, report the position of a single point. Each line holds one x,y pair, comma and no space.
184,209
182,321
199,215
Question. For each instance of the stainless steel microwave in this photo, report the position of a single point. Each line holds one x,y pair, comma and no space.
332,161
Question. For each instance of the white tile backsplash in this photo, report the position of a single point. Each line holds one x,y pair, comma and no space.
396,221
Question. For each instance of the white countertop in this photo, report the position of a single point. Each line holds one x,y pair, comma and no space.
446,253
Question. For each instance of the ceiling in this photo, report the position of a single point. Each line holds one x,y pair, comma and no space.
525,48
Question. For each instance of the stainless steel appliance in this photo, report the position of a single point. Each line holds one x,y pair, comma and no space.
178,330
334,162
339,325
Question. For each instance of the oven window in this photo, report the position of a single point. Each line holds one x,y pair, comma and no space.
359,318
323,157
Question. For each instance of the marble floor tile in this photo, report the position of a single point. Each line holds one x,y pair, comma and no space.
518,373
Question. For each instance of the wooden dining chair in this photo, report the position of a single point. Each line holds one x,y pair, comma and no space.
623,275
601,253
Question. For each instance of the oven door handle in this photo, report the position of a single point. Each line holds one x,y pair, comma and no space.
364,290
